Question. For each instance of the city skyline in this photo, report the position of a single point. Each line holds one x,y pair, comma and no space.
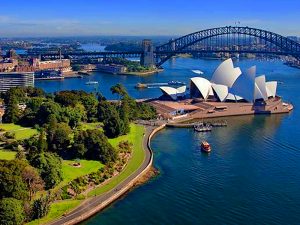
143,18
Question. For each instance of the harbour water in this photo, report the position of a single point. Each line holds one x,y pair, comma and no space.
177,69
250,177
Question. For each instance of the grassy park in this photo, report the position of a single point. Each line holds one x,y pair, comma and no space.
20,132
88,166
7,155
136,137
57,209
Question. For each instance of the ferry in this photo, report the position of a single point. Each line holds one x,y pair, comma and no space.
91,82
175,82
140,85
205,147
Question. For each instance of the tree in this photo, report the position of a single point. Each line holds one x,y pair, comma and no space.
76,67
113,126
98,147
41,207
75,114
67,98
47,111
12,112
11,182
90,104
34,92
33,180
124,112
11,211
17,93
104,108
42,144
59,137
118,89
79,149
50,168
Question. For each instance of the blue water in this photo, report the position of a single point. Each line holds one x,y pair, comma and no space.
252,175
175,69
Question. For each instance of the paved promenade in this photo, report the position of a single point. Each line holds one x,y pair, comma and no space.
94,204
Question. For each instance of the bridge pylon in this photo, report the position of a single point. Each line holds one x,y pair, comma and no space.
147,57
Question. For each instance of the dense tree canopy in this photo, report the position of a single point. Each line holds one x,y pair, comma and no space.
93,144
11,181
11,211
49,166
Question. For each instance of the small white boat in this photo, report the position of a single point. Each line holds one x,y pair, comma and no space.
197,71
91,82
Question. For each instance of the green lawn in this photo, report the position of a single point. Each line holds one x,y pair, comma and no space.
70,172
7,155
136,137
91,126
21,132
57,209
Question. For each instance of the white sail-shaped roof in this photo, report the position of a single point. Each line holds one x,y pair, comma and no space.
173,92
181,91
221,91
271,87
170,91
260,91
233,97
226,74
245,84
211,92
203,85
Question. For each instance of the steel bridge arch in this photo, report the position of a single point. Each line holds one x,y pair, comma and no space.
286,45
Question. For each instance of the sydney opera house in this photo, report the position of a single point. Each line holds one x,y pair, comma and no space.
228,83
229,92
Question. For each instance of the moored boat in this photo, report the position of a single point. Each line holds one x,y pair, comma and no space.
202,128
91,82
205,146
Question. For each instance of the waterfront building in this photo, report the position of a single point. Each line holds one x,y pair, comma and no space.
230,84
16,79
87,67
60,64
111,68
8,65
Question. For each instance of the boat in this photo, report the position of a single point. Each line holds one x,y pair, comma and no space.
91,82
205,147
140,85
197,71
219,124
172,82
203,128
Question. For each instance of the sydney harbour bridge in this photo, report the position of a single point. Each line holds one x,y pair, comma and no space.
229,39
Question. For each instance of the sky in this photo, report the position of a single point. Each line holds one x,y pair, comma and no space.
20,18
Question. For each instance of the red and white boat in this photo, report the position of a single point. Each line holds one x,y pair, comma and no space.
205,147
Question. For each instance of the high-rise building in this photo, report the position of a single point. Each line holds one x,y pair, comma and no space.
147,58
16,79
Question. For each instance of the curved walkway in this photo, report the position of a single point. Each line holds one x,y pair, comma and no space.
95,204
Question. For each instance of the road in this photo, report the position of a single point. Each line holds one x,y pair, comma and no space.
90,204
